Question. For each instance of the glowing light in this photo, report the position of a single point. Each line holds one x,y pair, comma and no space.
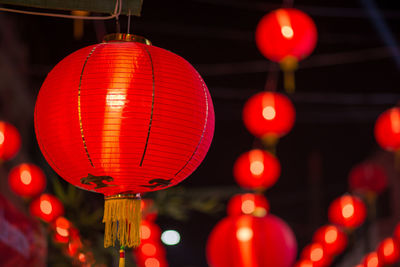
316,254
45,207
244,234
331,235
348,210
170,237
26,177
269,113
256,167
395,120
248,206
152,262
115,100
373,261
82,257
287,32
1,138
149,249
145,232
388,247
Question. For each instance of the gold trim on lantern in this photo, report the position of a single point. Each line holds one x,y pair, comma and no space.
125,37
123,196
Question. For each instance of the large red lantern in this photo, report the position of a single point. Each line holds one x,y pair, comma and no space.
389,251
242,241
347,211
27,180
10,141
317,254
46,207
256,169
333,239
387,129
368,178
269,115
250,204
286,35
120,118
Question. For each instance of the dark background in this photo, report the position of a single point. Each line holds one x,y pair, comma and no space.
341,89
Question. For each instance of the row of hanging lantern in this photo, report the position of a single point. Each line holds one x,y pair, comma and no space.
345,214
387,252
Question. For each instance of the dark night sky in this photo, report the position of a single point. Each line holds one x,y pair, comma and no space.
336,104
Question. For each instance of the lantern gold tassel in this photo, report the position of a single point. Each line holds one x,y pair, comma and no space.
288,65
122,257
122,216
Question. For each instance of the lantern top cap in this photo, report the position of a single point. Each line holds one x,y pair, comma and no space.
124,37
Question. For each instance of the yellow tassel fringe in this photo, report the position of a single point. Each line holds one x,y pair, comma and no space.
122,216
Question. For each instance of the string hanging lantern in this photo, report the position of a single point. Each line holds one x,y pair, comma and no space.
371,260
332,238
10,141
46,207
368,178
27,180
317,254
120,118
347,211
388,251
387,130
286,36
250,204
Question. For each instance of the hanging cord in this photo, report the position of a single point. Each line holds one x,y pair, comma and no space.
129,22
272,77
117,12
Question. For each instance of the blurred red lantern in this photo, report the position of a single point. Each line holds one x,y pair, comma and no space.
256,169
304,263
269,115
317,254
347,211
148,250
332,238
368,178
286,35
62,228
120,118
149,231
388,251
10,141
149,210
46,207
371,260
251,241
27,180
396,233
387,129
250,204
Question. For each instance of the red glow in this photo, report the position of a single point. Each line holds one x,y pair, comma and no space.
245,175
304,263
252,204
149,231
387,129
368,178
388,251
317,254
371,260
46,207
27,180
332,238
10,141
286,32
269,114
347,211
149,249
131,113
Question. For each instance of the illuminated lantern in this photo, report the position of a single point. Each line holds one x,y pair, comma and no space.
10,141
369,178
120,118
239,241
388,251
46,207
150,250
250,204
269,116
256,169
387,129
317,254
347,211
304,263
62,228
332,238
286,35
149,231
371,260
27,180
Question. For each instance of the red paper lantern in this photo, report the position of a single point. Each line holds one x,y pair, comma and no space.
387,129
304,263
269,115
149,231
347,211
317,254
27,180
256,169
286,32
120,118
46,207
250,204
148,250
10,141
62,230
332,238
251,241
371,260
368,178
388,251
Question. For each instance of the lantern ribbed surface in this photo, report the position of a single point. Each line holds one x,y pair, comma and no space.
122,117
